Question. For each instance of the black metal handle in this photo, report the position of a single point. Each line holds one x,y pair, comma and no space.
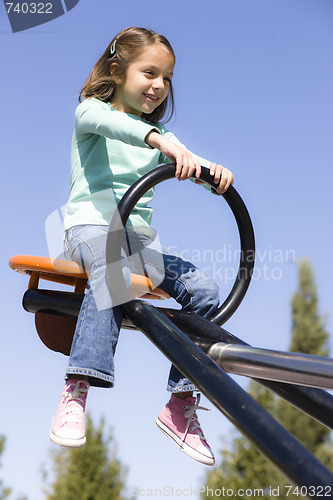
125,207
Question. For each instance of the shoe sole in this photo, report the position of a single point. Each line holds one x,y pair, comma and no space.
183,446
71,443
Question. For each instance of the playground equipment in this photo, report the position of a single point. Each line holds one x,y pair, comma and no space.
198,347
57,311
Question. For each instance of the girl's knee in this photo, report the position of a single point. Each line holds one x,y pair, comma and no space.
206,298
213,292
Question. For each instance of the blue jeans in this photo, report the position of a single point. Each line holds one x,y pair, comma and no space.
99,322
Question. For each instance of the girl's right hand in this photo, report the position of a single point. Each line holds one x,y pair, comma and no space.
186,164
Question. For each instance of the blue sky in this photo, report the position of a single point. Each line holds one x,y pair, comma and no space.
253,87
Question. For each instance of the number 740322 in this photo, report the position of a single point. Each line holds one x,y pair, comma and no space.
29,8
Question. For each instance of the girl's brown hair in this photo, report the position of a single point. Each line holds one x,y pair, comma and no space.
127,46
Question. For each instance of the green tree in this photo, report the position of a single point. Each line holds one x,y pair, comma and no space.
242,466
308,333
89,472
309,337
4,492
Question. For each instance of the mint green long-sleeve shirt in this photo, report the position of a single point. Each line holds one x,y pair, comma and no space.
108,155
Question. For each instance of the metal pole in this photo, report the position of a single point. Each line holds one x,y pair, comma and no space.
303,369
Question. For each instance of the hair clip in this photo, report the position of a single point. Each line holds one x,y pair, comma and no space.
113,48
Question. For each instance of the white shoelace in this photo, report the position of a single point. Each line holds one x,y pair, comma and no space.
74,401
191,415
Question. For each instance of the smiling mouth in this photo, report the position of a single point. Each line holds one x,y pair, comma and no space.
151,98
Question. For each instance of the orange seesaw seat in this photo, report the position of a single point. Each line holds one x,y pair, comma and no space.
69,272
55,327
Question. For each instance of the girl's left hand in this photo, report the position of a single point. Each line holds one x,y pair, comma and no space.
222,176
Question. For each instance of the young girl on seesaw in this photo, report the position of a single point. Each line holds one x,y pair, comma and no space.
118,137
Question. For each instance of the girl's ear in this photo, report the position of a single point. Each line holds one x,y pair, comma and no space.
116,74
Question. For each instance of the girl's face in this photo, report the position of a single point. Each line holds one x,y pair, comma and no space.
146,82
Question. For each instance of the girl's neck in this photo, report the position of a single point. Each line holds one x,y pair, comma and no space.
120,106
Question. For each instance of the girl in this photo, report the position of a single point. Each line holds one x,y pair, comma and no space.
118,137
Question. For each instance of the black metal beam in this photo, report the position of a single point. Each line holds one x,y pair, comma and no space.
53,301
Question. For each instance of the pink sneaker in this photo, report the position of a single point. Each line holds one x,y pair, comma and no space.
68,426
179,421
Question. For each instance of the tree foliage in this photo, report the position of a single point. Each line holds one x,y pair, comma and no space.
309,337
89,472
242,466
4,492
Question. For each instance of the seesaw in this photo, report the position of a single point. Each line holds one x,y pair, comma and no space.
57,311
199,347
